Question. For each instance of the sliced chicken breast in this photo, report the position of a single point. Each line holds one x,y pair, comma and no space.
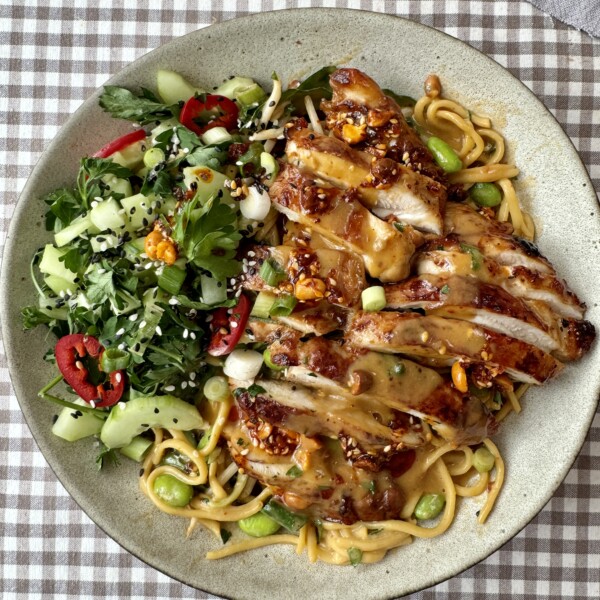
341,218
440,341
385,186
362,115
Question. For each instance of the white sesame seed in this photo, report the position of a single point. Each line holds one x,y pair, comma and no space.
121,346
158,330
238,293
191,384
118,377
103,247
183,385
61,293
185,334
251,253
94,203
233,325
193,335
143,255
148,266
92,404
122,405
133,317
170,388
232,281
142,324
173,301
192,376
101,271
121,331
244,451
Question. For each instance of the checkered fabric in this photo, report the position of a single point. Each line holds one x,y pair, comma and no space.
53,54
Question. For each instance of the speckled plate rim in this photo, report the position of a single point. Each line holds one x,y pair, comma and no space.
11,333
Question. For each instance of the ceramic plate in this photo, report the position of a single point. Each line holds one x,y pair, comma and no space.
539,446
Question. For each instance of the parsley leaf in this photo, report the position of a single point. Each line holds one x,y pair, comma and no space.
64,207
106,456
225,535
77,257
89,179
208,156
188,303
100,286
32,317
208,237
123,104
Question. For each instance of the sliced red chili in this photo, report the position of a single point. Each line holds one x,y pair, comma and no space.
70,352
120,143
227,327
204,113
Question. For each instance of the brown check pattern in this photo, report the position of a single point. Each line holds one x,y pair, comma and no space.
53,54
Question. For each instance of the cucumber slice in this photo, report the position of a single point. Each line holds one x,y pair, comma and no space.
58,284
168,124
216,135
136,211
137,448
213,290
48,307
253,94
71,426
124,303
208,182
173,88
132,418
131,156
117,185
231,86
73,230
105,215
51,264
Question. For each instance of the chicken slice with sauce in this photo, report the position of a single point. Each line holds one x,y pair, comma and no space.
385,186
441,341
339,216
307,273
362,115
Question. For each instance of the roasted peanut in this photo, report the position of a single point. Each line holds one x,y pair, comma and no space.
310,288
459,377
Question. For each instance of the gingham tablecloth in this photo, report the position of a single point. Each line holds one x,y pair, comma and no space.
53,54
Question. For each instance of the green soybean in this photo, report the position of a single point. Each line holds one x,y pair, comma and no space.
486,194
483,460
429,506
172,491
259,525
444,155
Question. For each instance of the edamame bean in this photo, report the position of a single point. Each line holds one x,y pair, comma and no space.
172,491
429,506
259,525
486,194
483,460
153,157
444,155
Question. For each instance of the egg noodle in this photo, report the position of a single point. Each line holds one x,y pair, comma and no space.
439,467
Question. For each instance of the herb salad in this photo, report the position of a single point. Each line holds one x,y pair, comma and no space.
146,245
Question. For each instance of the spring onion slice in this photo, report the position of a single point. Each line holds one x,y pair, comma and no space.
216,389
283,306
262,305
373,298
114,359
272,273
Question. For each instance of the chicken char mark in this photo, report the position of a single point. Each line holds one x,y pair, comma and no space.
363,116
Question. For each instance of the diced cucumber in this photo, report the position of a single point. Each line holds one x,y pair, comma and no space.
73,426
253,94
208,182
129,419
73,230
167,206
81,300
104,242
131,156
138,211
105,215
168,124
173,88
117,185
137,448
52,265
48,307
231,86
216,135
134,248
213,290
171,279
58,284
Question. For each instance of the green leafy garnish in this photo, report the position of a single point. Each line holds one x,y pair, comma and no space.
316,86
123,104
355,556
401,100
294,471
107,456
89,179
225,535
444,289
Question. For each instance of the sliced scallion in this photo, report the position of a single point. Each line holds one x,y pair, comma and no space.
373,298
283,306
272,273
216,389
262,305
269,363
153,157
114,359
171,279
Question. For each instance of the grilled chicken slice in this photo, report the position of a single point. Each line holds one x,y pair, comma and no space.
363,116
493,238
312,475
309,274
440,341
450,256
385,186
321,319
469,299
382,378
340,217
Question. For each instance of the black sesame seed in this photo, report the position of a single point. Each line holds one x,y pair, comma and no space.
79,413
149,210
156,411
175,421
145,425
54,419
145,222
141,472
74,415
132,210
272,103
136,347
